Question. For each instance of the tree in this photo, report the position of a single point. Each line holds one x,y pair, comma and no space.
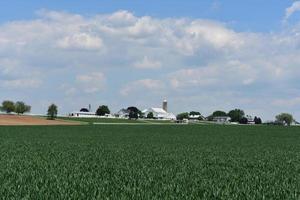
244,120
8,106
102,110
285,118
257,120
182,116
52,112
134,112
133,115
195,113
217,113
236,115
21,107
150,115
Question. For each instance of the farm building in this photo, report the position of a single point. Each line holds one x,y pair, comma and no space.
159,113
123,113
84,112
221,119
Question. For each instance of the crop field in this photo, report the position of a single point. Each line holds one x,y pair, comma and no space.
150,162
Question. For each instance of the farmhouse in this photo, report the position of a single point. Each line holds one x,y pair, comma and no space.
123,113
221,119
159,113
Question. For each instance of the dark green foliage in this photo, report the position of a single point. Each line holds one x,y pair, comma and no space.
21,107
182,116
133,115
257,120
195,113
150,115
8,106
52,112
217,113
84,110
134,112
150,162
192,115
236,115
102,110
285,118
244,120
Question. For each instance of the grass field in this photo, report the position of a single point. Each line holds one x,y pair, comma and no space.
150,162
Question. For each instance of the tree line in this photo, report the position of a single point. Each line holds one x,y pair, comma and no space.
236,115
19,107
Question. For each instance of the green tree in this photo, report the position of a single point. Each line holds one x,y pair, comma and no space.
150,115
8,106
244,120
195,113
134,112
285,118
257,120
21,107
102,110
217,113
182,116
236,115
52,112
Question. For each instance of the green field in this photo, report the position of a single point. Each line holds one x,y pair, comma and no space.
113,120
150,162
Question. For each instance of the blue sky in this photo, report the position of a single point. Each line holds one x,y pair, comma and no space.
255,15
200,55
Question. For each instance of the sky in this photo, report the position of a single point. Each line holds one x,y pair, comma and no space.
199,55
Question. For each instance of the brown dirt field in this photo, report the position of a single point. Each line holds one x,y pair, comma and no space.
12,120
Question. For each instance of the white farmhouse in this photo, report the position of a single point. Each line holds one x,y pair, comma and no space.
159,113
222,119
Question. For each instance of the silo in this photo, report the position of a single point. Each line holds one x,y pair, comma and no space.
165,105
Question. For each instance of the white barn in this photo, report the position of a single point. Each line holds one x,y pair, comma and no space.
159,113
82,114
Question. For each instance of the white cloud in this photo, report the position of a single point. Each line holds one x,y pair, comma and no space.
92,82
191,57
288,102
146,63
81,41
20,83
144,85
292,9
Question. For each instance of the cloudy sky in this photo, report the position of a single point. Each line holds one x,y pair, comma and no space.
200,55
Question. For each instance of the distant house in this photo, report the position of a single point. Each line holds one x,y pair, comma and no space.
159,113
195,117
82,114
222,119
250,119
123,113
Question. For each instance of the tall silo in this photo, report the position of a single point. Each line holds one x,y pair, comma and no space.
165,105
